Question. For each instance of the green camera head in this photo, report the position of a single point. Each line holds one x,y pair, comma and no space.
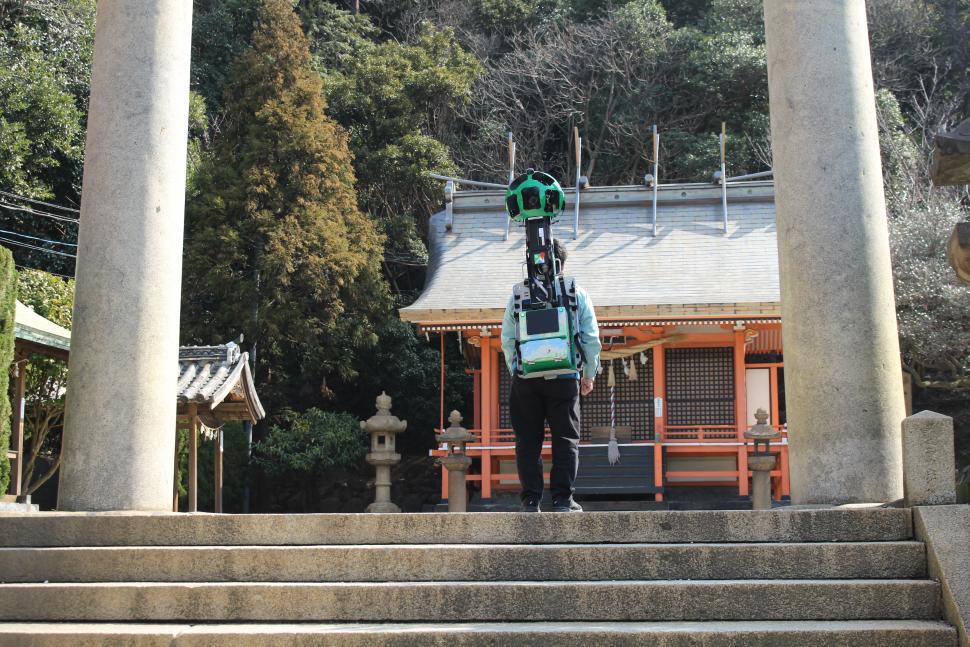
534,194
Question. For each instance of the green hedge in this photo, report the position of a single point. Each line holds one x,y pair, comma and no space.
8,309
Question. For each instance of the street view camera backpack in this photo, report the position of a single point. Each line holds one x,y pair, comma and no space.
545,303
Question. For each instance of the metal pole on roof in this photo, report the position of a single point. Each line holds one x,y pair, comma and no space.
750,176
579,177
656,176
511,158
508,221
449,204
723,176
487,185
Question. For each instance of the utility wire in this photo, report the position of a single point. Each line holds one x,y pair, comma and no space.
34,212
43,240
40,249
46,204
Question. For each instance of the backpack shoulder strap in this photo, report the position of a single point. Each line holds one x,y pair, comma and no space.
568,284
520,292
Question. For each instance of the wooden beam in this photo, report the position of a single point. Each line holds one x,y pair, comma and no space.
217,485
193,504
176,479
25,346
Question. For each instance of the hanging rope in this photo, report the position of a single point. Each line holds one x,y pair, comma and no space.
613,448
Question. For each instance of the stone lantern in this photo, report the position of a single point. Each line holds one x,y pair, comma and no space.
761,463
383,427
456,462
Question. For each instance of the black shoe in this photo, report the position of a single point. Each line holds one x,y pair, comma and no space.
530,505
566,505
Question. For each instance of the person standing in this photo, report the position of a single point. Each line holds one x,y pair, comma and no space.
555,399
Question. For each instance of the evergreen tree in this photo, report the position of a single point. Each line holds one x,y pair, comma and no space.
276,247
8,300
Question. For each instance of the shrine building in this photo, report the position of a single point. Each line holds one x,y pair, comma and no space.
686,292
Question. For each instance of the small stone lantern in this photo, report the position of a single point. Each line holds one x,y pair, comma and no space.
762,432
761,463
456,462
383,427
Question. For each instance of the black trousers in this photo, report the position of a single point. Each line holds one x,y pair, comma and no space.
532,403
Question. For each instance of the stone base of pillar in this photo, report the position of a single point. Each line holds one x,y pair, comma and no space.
381,507
457,467
761,466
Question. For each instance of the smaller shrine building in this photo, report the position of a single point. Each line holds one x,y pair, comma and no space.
689,314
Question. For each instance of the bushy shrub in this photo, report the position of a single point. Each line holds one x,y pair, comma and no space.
8,300
310,443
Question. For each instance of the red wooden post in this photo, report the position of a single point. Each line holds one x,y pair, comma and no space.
441,420
477,398
489,399
775,414
660,406
741,410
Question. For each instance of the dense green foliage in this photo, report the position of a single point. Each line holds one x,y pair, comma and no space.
276,247
391,97
306,443
8,301
45,66
304,447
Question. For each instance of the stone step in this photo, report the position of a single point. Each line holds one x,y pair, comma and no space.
857,633
662,600
882,560
717,526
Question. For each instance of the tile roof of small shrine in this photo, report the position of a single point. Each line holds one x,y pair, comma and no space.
212,375
691,269
32,327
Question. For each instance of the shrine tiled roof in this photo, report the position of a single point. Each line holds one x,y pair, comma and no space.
211,375
32,327
691,268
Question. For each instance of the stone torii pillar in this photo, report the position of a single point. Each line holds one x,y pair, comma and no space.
119,434
843,375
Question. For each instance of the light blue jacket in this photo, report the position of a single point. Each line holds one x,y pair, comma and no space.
589,334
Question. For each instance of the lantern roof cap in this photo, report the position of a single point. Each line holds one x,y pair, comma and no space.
762,430
455,433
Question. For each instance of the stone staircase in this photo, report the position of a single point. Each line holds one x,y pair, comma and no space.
833,577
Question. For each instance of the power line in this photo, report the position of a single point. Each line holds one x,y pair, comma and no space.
40,249
34,212
43,240
46,204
